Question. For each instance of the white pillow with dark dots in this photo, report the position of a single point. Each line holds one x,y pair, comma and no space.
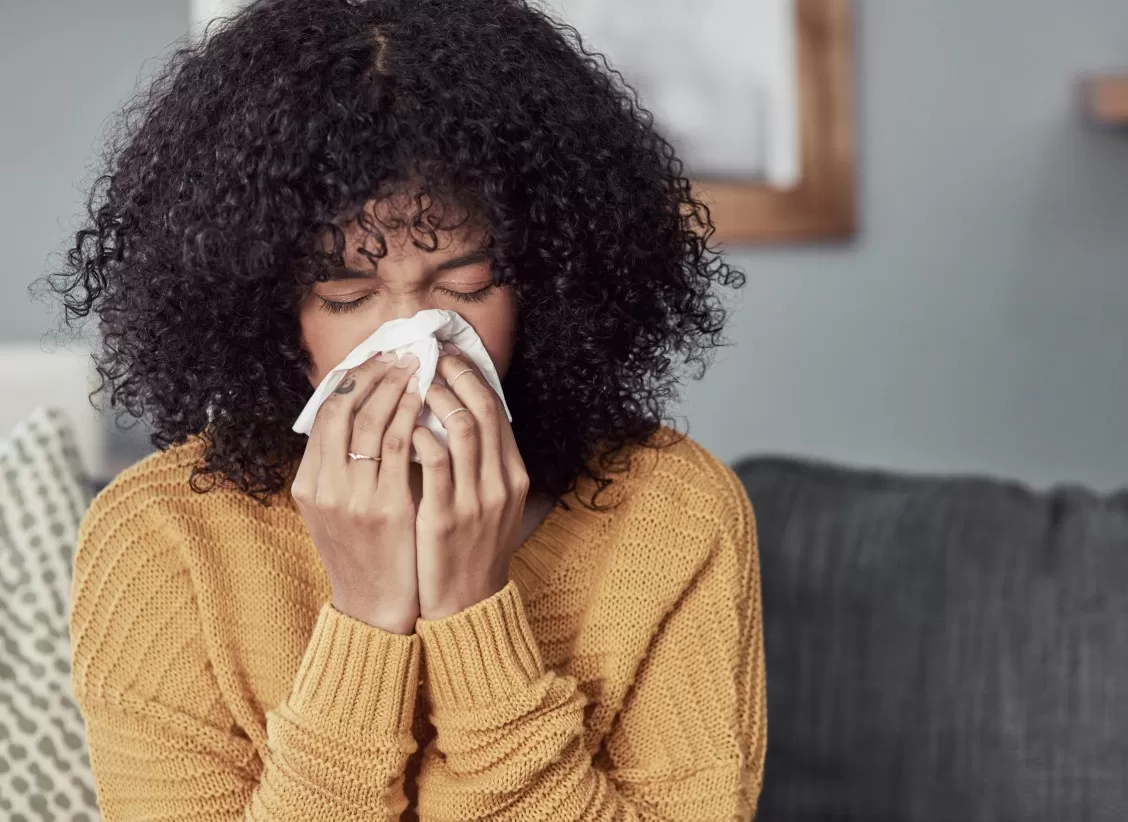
44,768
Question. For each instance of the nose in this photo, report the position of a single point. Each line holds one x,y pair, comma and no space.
403,303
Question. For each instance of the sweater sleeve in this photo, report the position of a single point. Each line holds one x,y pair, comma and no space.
162,742
689,743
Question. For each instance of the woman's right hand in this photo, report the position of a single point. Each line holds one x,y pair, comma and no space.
360,513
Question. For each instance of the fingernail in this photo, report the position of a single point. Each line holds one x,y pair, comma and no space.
413,385
387,356
407,360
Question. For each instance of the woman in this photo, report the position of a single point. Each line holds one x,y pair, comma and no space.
556,619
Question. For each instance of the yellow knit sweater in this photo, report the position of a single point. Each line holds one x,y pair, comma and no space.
619,675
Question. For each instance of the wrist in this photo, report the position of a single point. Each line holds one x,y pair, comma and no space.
465,596
392,619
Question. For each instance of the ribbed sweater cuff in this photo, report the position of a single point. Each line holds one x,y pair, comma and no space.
356,682
480,656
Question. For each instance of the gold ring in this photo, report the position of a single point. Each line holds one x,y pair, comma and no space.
353,456
456,376
451,414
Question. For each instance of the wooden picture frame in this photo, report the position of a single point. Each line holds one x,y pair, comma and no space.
821,207
1105,99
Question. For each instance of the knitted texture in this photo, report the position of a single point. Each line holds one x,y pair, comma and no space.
618,676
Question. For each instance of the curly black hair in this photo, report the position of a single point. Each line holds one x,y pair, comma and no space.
256,139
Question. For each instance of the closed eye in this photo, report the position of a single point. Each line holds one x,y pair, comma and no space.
339,307
471,296
344,306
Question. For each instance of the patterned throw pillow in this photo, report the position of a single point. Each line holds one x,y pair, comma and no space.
44,769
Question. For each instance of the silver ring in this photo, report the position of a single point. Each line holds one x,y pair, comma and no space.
456,376
353,456
451,414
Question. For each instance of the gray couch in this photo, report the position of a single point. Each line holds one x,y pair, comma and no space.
941,649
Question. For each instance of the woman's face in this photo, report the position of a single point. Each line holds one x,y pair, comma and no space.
338,315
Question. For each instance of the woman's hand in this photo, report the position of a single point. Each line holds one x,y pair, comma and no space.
470,515
360,512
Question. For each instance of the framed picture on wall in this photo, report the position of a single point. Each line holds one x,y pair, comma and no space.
755,95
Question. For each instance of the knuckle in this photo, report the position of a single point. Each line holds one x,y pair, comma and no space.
359,511
443,525
520,483
436,461
382,395
491,409
328,502
328,409
394,444
368,422
302,492
462,426
398,375
494,498
387,511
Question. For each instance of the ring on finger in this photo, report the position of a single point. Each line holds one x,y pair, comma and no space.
452,413
456,376
355,456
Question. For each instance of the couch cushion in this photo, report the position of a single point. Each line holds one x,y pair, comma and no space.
941,649
44,771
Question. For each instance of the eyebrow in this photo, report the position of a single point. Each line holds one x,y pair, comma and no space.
345,273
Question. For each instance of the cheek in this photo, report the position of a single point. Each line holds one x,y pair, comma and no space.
329,339
497,327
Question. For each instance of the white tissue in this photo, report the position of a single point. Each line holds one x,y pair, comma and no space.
420,335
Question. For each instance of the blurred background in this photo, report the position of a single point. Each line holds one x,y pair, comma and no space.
925,390
974,322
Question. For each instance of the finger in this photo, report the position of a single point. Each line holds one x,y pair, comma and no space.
462,437
304,488
435,461
454,367
335,416
515,471
372,419
468,385
306,475
395,453
472,390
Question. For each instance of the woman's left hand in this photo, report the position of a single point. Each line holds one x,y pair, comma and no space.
469,520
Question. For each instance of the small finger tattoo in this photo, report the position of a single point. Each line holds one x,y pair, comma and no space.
346,386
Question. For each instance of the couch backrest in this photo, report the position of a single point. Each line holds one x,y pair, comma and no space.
941,649
44,769
34,376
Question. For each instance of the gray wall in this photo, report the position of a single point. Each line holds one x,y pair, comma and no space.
64,67
978,322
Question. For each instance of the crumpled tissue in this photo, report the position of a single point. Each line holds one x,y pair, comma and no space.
421,335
